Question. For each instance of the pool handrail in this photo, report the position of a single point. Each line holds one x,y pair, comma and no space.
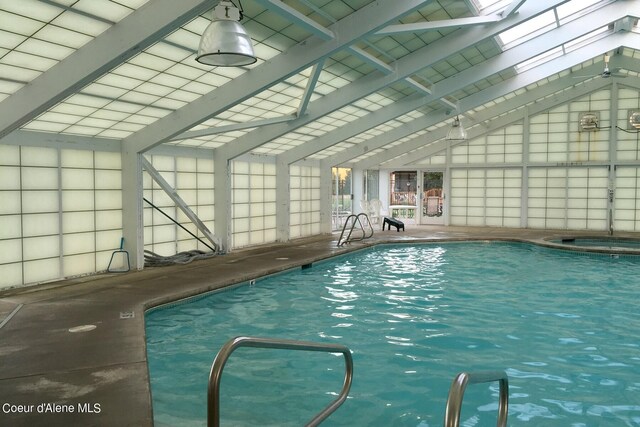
213,392
456,393
356,219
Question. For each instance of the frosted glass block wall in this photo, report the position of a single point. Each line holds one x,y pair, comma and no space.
486,197
436,159
573,198
502,146
628,139
627,199
192,178
304,201
555,135
60,215
253,203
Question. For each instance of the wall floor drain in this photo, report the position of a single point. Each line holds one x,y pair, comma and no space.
284,258
82,328
127,315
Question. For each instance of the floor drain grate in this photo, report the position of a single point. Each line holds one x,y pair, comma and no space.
127,315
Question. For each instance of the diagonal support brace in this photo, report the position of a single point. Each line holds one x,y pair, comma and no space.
171,192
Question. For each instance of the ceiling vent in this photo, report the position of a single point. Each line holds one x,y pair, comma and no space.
634,120
589,121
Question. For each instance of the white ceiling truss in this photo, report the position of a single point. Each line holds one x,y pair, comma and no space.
345,83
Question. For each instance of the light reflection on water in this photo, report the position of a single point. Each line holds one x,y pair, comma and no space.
565,328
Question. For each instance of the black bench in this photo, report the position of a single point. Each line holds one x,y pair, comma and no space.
392,221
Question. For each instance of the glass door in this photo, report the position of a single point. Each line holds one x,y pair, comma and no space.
342,197
403,195
431,198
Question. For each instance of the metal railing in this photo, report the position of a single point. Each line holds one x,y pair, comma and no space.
456,393
355,220
213,392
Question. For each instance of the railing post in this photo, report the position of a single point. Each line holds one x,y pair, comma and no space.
213,391
456,393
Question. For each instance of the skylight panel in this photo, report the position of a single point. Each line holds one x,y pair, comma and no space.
10,40
151,61
63,36
108,10
103,90
561,50
17,74
587,38
44,49
184,96
528,29
27,61
574,9
169,51
70,20
112,133
19,24
32,8
119,81
45,126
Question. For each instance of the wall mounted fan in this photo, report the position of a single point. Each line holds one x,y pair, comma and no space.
606,73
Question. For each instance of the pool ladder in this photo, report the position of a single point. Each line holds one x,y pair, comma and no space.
355,219
454,401
213,392
456,393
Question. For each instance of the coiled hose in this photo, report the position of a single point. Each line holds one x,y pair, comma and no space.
152,259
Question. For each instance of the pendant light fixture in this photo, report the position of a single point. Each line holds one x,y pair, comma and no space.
457,131
225,43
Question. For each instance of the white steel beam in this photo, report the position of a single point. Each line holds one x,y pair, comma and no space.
297,18
180,203
59,140
311,84
434,143
522,80
371,60
352,28
420,27
490,66
230,128
512,8
406,67
119,43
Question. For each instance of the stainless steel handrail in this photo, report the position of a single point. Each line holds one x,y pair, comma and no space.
356,219
213,392
456,393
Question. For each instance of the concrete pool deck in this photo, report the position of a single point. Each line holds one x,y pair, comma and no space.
50,376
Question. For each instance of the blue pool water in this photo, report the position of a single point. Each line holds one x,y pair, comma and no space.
610,243
564,326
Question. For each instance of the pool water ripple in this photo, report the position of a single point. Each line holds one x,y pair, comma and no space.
565,328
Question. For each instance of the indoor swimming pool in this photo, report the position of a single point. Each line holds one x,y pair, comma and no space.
564,326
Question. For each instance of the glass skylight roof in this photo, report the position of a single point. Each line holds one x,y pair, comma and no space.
36,35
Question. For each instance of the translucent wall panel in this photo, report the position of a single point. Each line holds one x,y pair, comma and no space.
60,214
502,146
253,203
436,159
628,139
555,135
587,192
486,197
568,198
547,198
627,199
304,201
192,178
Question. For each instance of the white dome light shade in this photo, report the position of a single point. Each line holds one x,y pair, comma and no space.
225,43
